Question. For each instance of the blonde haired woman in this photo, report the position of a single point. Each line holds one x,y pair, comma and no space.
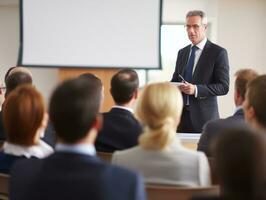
160,157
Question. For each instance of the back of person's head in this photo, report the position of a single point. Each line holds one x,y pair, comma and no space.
12,70
123,85
240,163
254,105
74,107
243,76
159,109
16,79
23,114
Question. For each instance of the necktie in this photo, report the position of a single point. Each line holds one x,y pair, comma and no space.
189,71
190,64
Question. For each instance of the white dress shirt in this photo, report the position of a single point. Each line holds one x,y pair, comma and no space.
87,149
198,53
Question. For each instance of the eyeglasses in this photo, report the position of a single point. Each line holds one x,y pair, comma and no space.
195,26
3,89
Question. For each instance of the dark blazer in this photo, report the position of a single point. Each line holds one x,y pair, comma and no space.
7,160
211,76
213,129
49,135
73,176
120,131
2,131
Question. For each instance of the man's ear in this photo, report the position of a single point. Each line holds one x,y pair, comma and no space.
98,122
251,114
136,93
237,94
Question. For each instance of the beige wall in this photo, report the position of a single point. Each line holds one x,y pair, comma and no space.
237,25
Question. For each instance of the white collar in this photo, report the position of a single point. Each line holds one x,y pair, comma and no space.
201,44
123,107
39,150
87,149
238,108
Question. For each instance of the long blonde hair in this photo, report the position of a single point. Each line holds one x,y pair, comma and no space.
159,108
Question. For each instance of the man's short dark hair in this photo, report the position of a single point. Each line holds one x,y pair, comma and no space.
8,72
256,97
244,76
16,79
123,85
74,107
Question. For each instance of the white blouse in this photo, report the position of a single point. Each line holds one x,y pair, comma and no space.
39,150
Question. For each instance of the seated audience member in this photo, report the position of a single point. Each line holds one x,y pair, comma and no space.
160,156
240,165
120,128
73,171
2,98
254,104
24,120
213,128
12,81
15,77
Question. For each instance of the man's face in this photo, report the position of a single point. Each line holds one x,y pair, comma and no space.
195,29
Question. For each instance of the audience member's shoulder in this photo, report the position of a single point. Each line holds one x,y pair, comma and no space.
128,152
114,172
25,168
192,153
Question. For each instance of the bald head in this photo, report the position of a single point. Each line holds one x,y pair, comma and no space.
13,70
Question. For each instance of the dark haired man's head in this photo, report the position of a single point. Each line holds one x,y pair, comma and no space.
254,104
15,69
124,85
74,108
243,76
16,79
240,163
8,72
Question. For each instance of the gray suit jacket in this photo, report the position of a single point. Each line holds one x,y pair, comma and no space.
211,76
174,165
213,129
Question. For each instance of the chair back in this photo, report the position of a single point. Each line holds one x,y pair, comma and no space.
107,157
163,192
4,183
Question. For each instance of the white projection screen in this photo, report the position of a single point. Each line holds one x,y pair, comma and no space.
90,33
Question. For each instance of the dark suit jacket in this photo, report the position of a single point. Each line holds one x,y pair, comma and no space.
120,131
49,135
2,131
73,176
7,160
213,129
211,76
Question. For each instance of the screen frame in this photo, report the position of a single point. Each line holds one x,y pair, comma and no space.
20,54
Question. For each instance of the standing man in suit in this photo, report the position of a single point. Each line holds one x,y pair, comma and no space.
214,128
204,70
73,171
120,128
